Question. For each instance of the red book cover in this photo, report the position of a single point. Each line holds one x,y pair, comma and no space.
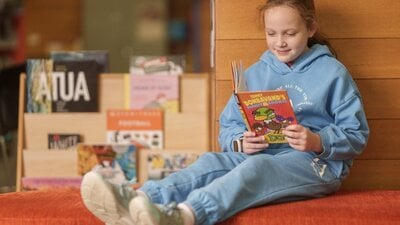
267,113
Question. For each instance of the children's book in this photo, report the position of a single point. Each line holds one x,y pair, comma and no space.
75,86
154,92
144,128
161,164
62,86
265,112
63,141
157,65
100,56
116,162
38,85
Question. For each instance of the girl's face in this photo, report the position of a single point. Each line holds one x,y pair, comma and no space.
286,33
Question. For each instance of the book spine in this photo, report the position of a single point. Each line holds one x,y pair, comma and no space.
242,113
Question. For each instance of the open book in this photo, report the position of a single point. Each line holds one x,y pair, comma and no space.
266,112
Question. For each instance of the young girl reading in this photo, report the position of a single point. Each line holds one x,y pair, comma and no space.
332,129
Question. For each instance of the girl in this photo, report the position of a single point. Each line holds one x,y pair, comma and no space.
332,130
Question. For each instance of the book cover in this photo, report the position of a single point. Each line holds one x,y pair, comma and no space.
157,65
100,56
44,183
154,92
117,162
62,141
266,112
38,85
75,86
161,164
140,127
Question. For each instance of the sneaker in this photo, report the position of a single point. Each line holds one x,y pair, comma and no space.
109,202
143,212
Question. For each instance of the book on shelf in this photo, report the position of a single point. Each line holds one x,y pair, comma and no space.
62,141
161,164
154,82
100,56
45,183
116,162
154,92
62,86
266,112
144,128
168,65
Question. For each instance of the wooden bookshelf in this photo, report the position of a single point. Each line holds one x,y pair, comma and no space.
188,130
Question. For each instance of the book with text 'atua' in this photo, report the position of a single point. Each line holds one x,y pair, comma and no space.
265,112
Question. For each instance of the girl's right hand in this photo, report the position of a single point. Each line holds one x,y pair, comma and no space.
253,143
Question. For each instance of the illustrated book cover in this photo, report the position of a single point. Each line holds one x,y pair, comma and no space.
141,127
265,112
161,164
117,162
38,85
62,141
154,92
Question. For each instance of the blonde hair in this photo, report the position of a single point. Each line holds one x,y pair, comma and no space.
306,10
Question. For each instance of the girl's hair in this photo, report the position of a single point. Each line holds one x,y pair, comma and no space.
306,10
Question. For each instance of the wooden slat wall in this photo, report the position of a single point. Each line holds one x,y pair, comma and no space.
366,36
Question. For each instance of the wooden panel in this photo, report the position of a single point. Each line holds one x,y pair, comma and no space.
374,174
381,98
368,59
338,19
52,25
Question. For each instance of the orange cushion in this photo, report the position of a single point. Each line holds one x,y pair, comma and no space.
345,208
65,207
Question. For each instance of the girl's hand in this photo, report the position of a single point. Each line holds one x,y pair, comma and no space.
253,143
302,139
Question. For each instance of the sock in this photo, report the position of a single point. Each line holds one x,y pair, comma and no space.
187,214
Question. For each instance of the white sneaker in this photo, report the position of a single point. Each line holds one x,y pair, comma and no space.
109,202
143,212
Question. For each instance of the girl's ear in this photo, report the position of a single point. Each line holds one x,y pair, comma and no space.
312,29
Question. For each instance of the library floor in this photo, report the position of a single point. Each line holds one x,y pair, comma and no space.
8,166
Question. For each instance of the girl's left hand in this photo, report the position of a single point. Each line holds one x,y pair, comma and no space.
302,139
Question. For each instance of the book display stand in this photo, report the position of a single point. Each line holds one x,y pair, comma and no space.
187,130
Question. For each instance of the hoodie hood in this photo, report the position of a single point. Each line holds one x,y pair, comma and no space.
301,64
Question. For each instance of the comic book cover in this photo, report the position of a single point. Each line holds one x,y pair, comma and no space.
266,112
136,126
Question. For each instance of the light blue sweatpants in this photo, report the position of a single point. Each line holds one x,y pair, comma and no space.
219,185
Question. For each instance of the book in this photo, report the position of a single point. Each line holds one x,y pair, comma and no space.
154,92
162,164
141,127
266,112
157,65
116,162
62,141
100,56
38,85
75,86
45,183
62,86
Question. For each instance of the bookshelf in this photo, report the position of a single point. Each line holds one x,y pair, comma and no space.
188,130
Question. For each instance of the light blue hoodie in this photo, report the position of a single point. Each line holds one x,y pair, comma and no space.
325,99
